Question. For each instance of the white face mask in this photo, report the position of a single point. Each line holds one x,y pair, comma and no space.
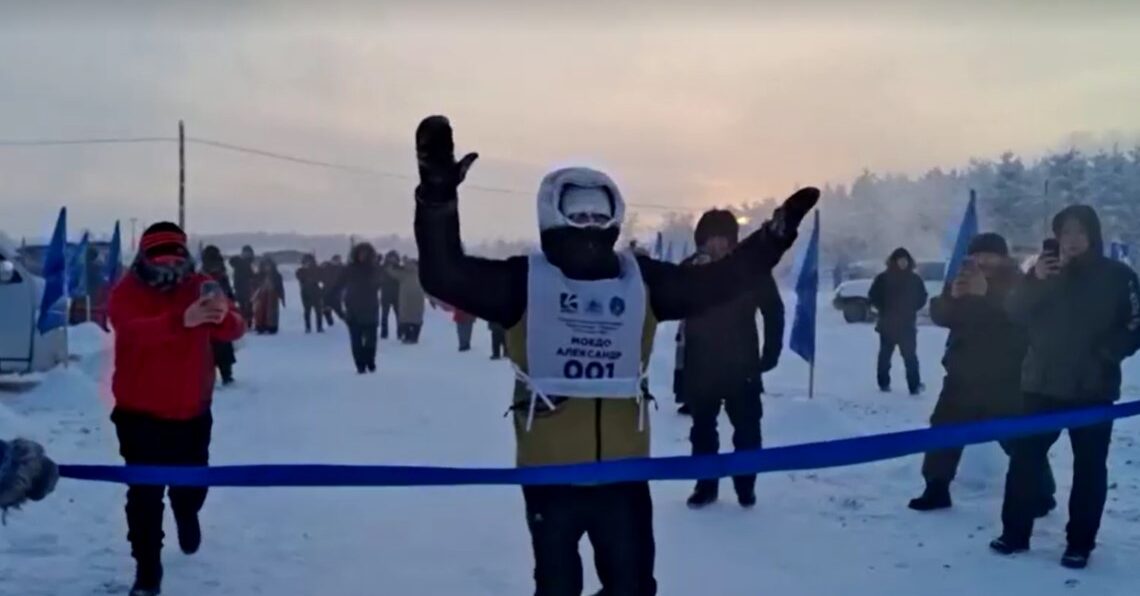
587,207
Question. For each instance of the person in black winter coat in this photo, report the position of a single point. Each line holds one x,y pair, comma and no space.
331,300
214,265
983,360
360,286
244,282
389,293
898,294
1082,312
309,276
723,361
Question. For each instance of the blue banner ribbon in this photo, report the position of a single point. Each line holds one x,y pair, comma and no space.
807,456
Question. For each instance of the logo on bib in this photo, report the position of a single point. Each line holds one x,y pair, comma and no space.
568,303
617,306
594,307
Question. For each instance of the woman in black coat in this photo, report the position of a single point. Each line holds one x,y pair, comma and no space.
214,265
360,286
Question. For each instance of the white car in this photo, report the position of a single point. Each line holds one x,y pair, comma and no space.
851,297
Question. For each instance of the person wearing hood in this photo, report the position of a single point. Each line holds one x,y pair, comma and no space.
389,293
214,265
723,361
165,317
898,294
312,293
580,320
360,285
1082,313
332,302
244,286
983,358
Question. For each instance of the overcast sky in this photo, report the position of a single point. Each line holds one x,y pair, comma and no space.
685,106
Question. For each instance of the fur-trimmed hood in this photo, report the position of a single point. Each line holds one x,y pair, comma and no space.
550,214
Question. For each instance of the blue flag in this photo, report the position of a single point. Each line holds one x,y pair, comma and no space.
966,233
112,269
55,278
802,340
77,271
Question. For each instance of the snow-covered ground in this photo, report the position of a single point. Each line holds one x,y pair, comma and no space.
298,400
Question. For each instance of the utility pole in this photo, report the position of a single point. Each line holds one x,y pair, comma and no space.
181,176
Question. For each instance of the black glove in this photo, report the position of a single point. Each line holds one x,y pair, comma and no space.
440,174
768,362
787,218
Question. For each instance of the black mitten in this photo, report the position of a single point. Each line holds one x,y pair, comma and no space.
787,218
440,174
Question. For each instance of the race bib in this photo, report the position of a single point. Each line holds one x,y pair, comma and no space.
584,337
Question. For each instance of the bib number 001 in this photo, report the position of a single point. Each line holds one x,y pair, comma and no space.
575,369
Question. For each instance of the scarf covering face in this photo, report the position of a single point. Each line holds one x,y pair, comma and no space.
163,262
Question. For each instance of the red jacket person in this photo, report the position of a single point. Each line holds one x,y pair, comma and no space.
165,316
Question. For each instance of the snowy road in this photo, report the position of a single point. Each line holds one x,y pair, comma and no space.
299,401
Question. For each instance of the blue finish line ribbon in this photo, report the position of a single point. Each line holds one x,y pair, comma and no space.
806,456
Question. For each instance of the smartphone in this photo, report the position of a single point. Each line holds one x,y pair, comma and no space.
210,289
1051,248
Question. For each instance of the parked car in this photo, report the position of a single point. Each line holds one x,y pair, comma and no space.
22,348
851,297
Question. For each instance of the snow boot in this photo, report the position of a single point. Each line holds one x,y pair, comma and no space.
917,391
704,495
189,532
1009,546
746,497
1075,558
148,578
371,367
935,497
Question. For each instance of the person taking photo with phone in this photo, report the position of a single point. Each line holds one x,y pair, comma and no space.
983,362
165,316
1082,314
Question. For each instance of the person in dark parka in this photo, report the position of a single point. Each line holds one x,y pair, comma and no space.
331,301
214,265
898,294
983,360
312,293
723,361
1082,313
360,286
389,293
244,282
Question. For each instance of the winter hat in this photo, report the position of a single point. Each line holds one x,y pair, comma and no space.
989,243
163,260
716,222
163,238
897,254
574,192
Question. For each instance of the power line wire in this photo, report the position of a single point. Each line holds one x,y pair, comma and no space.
354,169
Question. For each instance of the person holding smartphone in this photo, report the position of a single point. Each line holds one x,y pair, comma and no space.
983,359
165,316
1081,311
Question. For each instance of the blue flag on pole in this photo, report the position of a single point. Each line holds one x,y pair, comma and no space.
802,340
966,233
55,278
77,271
112,269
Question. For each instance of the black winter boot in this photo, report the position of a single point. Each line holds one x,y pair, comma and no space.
189,532
935,497
1009,546
1075,558
148,578
705,494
